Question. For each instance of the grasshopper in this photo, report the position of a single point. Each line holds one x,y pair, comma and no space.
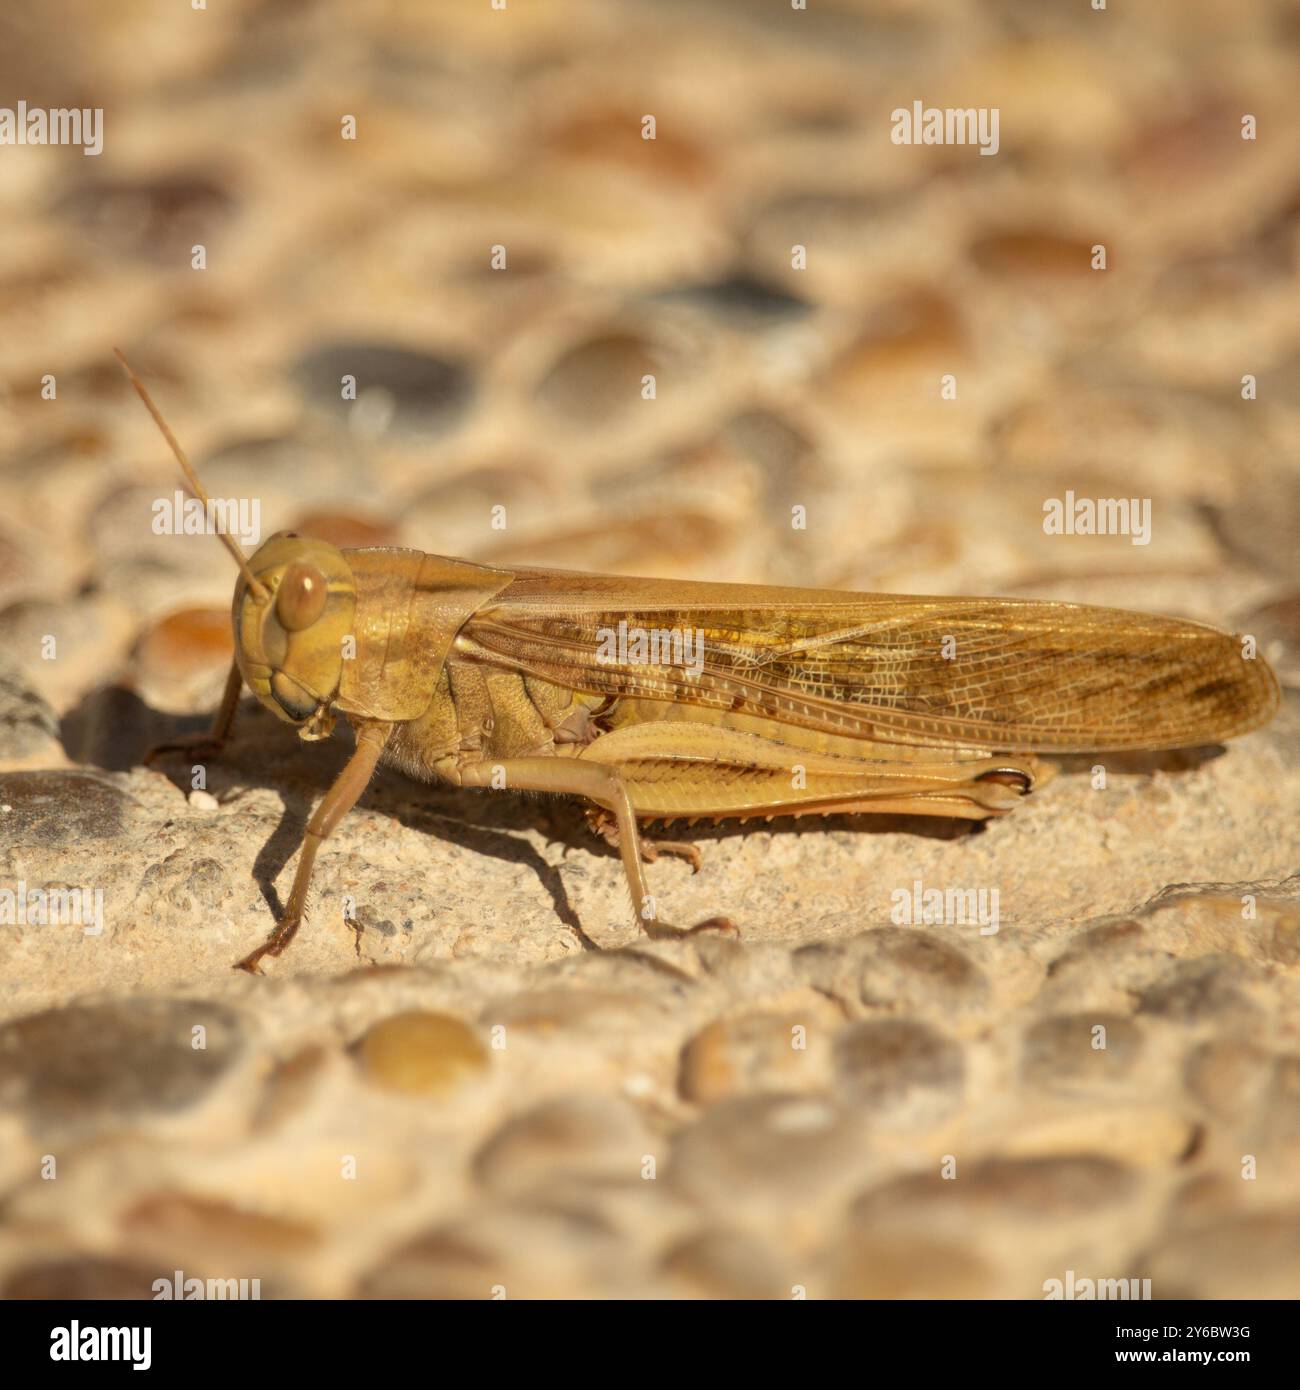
658,700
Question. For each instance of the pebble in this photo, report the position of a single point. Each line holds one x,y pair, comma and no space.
113,1065
1033,256
743,300
880,1266
286,472
29,728
180,662
157,220
346,530
1242,1256
1206,988
906,969
585,1139
512,1251
757,1052
1061,1052
764,1155
421,393
730,1265
422,1054
81,1278
599,381
204,1229
900,1073
1016,1189
52,808
553,1010
1228,1076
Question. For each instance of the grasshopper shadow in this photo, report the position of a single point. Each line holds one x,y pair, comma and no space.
112,729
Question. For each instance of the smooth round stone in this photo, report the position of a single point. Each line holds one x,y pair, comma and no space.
1058,1052
21,571
833,222
81,1278
593,1139
121,535
791,1151
756,1052
910,970
1194,991
290,1088
1024,1189
1139,1134
1114,952
180,1223
556,1010
728,1264
286,472
881,1266
1240,1256
442,1265
421,1054
48,810
1228,1076
1276,626
29,728
912,332
346,530
598,381
1261,529
612,135
786,455
1033,255
1283,1099
91,634
97,1064
156,219
397,388
744,300
543,1251
180,660
900,1074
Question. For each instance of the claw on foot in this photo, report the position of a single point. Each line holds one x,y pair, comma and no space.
273,946
606,827
663,931
201,747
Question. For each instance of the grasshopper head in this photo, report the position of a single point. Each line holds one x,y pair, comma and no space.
289,635
293,609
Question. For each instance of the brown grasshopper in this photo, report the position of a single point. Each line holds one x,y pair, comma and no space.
661,699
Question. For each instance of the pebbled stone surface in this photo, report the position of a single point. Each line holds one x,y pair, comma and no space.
470,1076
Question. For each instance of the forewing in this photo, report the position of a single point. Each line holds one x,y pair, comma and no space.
1013,675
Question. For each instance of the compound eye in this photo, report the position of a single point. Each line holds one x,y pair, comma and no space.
301,597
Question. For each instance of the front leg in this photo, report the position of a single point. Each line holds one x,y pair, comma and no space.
335,804
605,787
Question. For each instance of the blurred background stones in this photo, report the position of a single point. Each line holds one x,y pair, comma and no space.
469,1074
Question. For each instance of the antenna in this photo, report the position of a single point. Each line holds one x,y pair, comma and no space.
255,585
